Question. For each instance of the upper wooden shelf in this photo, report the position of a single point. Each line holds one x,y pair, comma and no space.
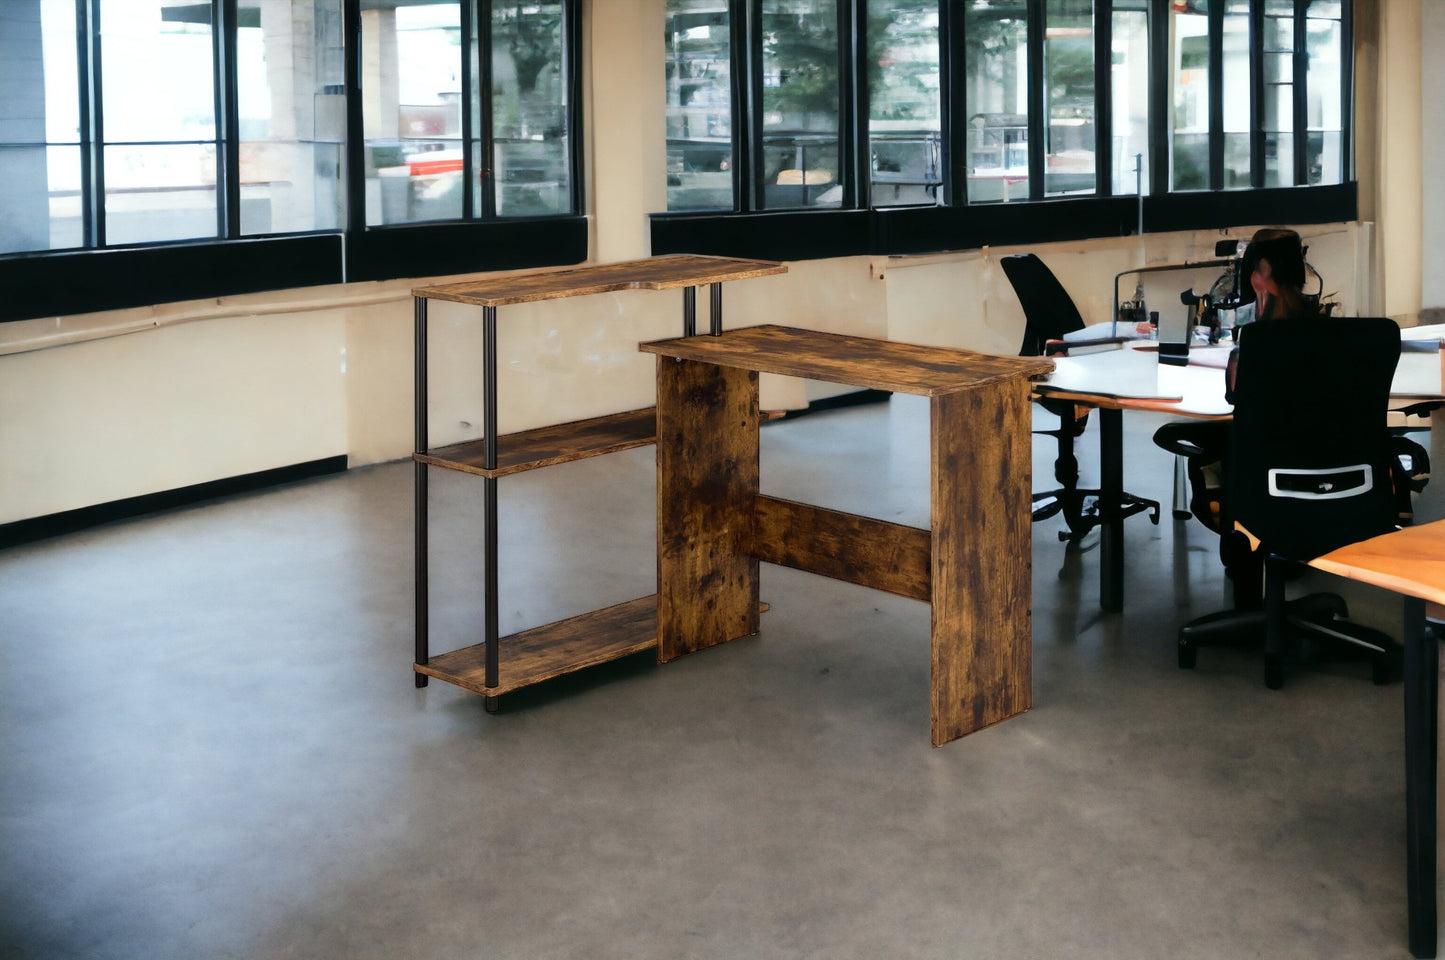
857,361
547,446
654,273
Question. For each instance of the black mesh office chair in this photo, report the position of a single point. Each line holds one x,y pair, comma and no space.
1049,313
1309,468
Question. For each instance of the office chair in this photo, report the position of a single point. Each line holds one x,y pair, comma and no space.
1049,313
1309,468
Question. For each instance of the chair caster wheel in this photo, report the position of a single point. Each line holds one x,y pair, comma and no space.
1187,655
1273,674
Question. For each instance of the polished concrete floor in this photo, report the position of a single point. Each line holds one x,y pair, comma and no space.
211,747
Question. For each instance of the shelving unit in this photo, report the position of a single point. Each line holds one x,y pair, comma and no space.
498,664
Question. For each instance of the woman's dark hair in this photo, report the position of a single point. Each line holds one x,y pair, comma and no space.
1285,253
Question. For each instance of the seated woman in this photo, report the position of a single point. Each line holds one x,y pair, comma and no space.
1275,265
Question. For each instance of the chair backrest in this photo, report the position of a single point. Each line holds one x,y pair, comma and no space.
1049,311
1309,456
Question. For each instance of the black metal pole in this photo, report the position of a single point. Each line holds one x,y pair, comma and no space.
1422,697
489,495
689,311
715,314
1111,490
419,487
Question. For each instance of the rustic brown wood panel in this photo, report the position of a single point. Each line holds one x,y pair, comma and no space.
857,361
844,546
654,273
545,446
707,477
544,652
982,559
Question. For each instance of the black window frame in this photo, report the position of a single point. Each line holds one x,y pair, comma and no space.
955,224
101,277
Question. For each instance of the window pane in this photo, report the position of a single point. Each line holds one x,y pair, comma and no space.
292,116
1130,80
157,72
801,159
1069,96
996,101
1278,107
1189,154
699,106
903,102
38,105
529,104
160,192
411,103
1237,124
45,214
1323,92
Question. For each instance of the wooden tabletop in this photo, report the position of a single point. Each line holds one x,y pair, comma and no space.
1409,561
856,361
654,273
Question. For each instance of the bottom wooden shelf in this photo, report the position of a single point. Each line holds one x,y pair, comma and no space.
553,649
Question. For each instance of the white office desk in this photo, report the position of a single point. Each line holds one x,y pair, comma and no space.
1131,378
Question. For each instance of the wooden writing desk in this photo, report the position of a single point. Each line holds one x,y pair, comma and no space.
1411,562
972,564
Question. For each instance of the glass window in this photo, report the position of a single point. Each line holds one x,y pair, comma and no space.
996,99
801,157
699,106
1129,81
40,162
1236,98
531,145
291,97
159,135
1189,81
904,120
1277,120
1069,96
1323,100
411,100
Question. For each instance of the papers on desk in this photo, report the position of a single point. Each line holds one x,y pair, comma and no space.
1102,331
1418,374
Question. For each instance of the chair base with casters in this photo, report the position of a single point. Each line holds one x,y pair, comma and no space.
1079,507
1280,625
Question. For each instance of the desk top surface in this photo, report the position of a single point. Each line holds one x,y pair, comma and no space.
857,361
1409,561
1132,378
653,273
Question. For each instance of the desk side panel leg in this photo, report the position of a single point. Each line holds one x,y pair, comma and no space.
982,558
707,483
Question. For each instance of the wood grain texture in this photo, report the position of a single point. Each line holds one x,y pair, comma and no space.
542,653
857,361
1410,561
707,478
844,546
653,273
982,636
546,446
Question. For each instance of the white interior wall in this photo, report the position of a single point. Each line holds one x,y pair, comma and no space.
202,391
1432,148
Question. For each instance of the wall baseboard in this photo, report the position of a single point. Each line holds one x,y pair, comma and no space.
69,521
